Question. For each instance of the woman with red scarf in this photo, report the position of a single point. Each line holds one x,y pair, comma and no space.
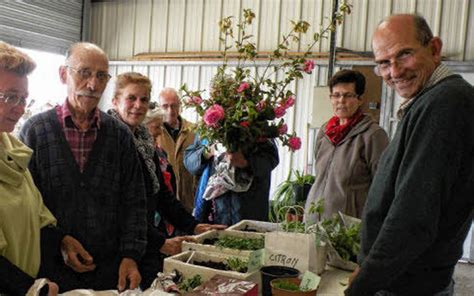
348,148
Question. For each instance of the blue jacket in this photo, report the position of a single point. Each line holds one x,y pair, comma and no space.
233,207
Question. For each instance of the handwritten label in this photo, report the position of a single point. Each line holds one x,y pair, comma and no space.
310,281
283,259
255,260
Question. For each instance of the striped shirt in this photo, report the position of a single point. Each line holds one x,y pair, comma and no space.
80,141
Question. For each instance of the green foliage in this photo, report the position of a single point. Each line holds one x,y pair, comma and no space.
248,244
285,195
190,283
236,264
286,285
293,226
344,238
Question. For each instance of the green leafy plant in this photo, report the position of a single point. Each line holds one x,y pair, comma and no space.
344,238
291,194
293,226
286,285
236,264
190,283
248,244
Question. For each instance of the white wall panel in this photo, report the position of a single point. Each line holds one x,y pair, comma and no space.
376,10
268,23
354,30
157,76
403,6
255,6
431,10
211,17
176,20
453,29
143,25
231,8
173,76
193,25
127,27
159,26
290,11
469,46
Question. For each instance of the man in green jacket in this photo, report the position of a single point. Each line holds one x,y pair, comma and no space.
420,204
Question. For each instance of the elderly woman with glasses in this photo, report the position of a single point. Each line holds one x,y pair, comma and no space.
23,216
348,148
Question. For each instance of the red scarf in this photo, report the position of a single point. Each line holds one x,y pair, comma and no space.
336,132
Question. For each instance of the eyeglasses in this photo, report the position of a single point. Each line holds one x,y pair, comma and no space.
12,99
85,74
336,96
172,106
402,58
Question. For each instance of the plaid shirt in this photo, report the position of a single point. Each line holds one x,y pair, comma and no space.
80,141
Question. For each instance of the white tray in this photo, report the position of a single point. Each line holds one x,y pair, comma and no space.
199,246
189,270
259,226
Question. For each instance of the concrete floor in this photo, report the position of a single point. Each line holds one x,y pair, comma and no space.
464,279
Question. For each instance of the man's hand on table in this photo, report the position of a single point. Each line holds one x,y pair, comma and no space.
75,256
128,272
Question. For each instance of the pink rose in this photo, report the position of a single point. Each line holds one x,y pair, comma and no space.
243,86
279,111
308,66
245,124
294,143
290,101
196,100
283,129
213,115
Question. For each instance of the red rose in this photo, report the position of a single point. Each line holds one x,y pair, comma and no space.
279,111
294,143
245,124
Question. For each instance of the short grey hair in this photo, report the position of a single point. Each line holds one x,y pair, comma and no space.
170,90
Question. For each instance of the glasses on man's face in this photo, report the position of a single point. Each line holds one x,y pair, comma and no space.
12,99
402,58
85,74
337,96
172,106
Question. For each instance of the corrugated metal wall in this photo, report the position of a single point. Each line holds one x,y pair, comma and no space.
125,28
42,25
128,27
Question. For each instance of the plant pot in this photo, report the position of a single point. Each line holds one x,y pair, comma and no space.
281,292
290,217
272,272
301,192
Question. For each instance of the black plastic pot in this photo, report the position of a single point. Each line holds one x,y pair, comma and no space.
301,192
273,272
